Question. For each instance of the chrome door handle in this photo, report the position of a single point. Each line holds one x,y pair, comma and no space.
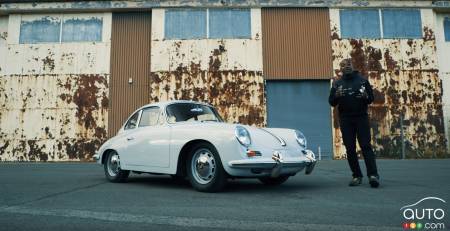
130,138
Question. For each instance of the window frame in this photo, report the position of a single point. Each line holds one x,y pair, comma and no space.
381,24
207,35
81,41
446,34
406,36
246,10
62,18
185,10
139,112
58,16
148,108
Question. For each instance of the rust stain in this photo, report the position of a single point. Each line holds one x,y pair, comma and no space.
36,152
71,129
48,63
391,64
428,34
405,85
335,34
237,94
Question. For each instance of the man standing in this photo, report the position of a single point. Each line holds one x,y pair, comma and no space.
352,94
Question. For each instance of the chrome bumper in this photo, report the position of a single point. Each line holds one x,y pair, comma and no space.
277,163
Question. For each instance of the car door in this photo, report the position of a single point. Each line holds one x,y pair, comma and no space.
125,140
151,141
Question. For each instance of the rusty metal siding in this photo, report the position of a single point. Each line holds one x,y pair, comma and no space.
130,58
405,77
53,97
296,43
224,72
443,50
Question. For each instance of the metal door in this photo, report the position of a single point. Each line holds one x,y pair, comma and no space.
130,66
302,105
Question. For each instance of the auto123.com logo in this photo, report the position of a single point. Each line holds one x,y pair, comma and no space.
428,213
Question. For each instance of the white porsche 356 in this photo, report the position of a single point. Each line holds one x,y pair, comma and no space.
188,139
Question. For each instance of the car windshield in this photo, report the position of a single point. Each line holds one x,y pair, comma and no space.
181,112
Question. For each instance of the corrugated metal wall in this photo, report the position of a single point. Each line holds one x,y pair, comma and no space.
296,43
130,58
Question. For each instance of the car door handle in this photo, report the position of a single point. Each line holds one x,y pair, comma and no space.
130,138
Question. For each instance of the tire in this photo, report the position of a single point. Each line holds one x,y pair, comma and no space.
204,169
112,168
273,181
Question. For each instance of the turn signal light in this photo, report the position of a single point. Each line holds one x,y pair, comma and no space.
251,153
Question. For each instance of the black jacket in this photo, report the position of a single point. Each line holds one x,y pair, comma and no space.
353,102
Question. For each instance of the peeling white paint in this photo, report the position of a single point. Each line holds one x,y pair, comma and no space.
443,51
241,54
405,77
53,96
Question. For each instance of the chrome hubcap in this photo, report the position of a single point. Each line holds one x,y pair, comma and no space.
113,164
203,166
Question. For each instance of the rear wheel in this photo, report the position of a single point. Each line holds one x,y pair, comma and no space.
274,181
113,172
205,170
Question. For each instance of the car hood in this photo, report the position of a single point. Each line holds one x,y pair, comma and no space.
261,137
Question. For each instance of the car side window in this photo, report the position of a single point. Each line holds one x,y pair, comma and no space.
132,122
149,117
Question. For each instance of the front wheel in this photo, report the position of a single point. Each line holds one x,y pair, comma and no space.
273,181
205,170
113,172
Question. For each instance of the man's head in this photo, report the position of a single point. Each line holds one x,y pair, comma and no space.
346,66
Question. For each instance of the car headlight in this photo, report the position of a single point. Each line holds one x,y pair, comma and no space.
243,136
301,139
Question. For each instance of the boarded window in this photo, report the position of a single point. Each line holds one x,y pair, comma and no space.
402,23
360,24
447,29
185,24
229,23
41,30
76,29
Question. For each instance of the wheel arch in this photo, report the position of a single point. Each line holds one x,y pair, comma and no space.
184,154
103,154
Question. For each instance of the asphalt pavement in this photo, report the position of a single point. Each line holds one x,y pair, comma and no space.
76,196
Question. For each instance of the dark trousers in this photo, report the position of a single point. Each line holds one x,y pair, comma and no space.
358,127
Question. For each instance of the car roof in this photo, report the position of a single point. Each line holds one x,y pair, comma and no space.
163,104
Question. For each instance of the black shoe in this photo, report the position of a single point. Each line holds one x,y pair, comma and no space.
374,181
355,181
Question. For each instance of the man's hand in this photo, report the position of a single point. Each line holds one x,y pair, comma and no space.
339,91
362,93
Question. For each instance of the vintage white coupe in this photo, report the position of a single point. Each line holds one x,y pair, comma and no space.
188,139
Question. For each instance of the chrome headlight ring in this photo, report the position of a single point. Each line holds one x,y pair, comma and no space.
243,136
301,139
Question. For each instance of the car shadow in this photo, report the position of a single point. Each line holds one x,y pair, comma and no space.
233,186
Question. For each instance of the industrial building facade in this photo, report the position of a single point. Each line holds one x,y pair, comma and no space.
71,72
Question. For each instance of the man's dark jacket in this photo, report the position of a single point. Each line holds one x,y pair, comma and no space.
353,102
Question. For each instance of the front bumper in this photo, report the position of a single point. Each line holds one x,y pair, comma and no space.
96,157
277,165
